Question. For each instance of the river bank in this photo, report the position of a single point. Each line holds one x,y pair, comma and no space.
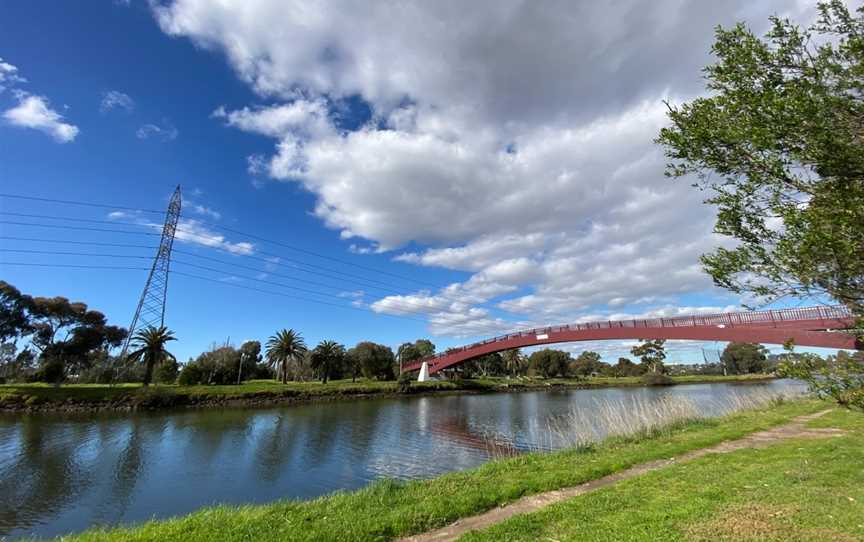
129,397
796,489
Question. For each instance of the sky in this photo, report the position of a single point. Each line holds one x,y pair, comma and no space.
361,171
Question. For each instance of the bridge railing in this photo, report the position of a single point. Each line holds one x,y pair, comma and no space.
775,317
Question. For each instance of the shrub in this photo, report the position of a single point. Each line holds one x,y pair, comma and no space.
657,379
167,371
190,375
403,383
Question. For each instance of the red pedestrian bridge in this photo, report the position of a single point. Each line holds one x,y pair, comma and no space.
823,326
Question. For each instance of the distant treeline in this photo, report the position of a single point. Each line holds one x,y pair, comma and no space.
56,340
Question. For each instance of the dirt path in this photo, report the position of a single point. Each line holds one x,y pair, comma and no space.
794,429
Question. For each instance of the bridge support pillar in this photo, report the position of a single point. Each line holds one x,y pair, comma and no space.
424,373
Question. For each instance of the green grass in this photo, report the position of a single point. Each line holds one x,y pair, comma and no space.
792,490
388,509
45,395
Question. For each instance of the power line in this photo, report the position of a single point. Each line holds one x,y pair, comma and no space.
238,232
80,228
31,264
361,281
65,241
82,203
197,277
201,239
404,307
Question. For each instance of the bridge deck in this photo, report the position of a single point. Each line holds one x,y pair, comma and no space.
810,326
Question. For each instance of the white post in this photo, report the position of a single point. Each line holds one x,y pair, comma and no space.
424,373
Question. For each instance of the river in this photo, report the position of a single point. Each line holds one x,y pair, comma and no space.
62,473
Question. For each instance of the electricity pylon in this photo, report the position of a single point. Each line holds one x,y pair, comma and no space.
151,306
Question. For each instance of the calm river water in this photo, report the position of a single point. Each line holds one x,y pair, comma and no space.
63,473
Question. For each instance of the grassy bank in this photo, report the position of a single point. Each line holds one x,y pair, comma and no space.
389,509
794,490
24,397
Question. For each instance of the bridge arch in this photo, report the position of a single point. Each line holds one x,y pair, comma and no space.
812,326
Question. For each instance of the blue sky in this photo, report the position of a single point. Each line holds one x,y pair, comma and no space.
494,177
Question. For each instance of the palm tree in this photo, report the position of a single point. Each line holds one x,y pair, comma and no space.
285,346
513,361
327,356
151,349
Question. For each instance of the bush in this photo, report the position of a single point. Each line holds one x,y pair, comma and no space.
167,371
190,375
403,383
657,379
839,377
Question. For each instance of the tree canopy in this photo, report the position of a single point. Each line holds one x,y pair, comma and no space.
744,358
779,143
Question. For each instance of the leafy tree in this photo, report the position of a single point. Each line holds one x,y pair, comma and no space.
374,360
589,363
486,365
550,363
779,145
327,358
410,352
284,347
14,315
250,357
651,353
151,349
514,362
168,371
625,367
744,358
840,377
68,336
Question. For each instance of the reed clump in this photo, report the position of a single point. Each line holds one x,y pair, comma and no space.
639,418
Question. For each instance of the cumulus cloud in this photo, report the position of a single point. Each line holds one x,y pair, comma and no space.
35,112
510,140
114,99
164,132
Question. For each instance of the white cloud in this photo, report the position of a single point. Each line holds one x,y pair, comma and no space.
165,132
509,140
114,99
35,112
203,210
192,231
9,75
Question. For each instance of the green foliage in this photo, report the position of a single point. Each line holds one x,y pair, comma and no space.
283,348
168,371
588,364
514,362
375,361
419,349
14,316
779,144
327,360
651,353
744,358
151,350
839,377
403,383
550,363
657,379
191,375
625,367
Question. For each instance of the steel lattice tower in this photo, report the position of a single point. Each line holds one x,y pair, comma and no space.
151,306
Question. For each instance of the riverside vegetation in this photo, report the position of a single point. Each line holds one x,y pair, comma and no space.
58,354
